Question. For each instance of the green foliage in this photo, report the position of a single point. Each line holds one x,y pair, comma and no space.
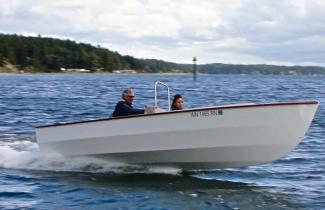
219,68
39,54
2,61
50,55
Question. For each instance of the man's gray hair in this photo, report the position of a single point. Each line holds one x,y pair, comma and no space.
126,92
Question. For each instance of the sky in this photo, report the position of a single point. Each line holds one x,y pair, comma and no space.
280,32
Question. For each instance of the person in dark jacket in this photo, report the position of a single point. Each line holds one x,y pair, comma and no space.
124,108
177,103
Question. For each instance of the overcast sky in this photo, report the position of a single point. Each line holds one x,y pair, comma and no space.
288,32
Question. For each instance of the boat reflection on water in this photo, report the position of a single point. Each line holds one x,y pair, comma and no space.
135,188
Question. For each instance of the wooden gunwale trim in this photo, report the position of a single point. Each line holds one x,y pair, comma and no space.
186,110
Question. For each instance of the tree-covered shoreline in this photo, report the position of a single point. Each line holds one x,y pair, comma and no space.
49,55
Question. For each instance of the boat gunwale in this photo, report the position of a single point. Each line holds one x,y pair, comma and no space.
182,111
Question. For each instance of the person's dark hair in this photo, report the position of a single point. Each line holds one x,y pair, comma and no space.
177,96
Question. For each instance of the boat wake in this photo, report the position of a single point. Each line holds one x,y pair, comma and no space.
26,155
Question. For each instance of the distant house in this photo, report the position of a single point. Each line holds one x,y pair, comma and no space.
75,70
127,71
292,73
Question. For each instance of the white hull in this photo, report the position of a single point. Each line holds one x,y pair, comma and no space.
214,137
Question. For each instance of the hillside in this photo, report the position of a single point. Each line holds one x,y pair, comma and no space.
38,54
41,54
219,68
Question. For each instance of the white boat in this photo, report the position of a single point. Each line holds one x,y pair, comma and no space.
201,138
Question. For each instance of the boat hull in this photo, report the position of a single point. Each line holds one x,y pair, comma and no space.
214,137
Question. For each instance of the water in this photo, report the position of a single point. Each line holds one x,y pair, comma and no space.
29,180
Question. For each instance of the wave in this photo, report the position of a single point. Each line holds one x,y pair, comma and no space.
26,155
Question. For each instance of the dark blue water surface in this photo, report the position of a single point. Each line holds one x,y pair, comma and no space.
30,180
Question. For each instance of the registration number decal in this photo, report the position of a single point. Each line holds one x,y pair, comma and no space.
209,113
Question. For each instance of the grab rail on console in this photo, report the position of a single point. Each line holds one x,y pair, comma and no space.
168,92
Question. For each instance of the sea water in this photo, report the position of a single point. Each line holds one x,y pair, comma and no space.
31,180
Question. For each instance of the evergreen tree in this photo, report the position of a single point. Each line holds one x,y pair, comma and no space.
42,54
2,61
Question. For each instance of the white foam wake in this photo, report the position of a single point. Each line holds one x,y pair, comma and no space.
26,155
